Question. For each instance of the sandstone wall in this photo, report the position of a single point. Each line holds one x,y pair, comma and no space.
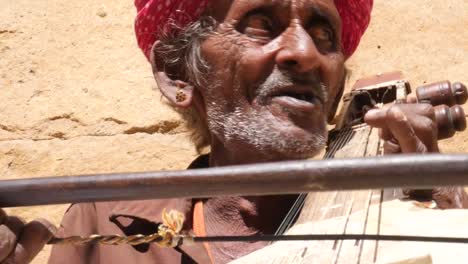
77,96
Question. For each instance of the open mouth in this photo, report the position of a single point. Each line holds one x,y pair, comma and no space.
305,97
301,94
297,99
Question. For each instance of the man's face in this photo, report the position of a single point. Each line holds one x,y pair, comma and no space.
276,67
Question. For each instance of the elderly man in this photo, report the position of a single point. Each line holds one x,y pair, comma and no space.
256,81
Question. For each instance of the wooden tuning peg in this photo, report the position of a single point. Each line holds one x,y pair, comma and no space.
442,93
449,120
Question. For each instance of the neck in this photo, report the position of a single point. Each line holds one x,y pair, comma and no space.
245,216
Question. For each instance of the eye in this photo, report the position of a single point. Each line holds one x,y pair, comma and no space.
323,37
258,27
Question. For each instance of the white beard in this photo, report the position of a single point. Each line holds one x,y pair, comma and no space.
262,133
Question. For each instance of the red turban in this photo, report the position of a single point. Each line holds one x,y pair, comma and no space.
153,16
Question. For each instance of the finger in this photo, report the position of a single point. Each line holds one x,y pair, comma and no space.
8,235
7,242
378,117
420,116
426,130
33,238
15,224
385,134
391,147
416,110
403,132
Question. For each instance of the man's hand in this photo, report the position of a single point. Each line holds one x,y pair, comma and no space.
21,242
411,128
405,128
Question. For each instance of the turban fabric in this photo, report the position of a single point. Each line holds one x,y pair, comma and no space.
153,17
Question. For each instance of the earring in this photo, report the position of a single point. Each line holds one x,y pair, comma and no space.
181,96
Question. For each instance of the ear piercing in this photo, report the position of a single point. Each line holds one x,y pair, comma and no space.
180,96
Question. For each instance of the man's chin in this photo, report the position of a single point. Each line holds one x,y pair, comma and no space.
305,151
279,146
298,142
269,135
293,143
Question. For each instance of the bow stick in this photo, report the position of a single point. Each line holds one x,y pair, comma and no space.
409,171
398,171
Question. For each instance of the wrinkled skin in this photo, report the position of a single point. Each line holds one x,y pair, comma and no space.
260,56
264,54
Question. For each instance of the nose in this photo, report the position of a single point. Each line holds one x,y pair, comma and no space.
298,52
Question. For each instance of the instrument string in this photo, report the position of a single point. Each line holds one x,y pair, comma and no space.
376,250
343,136
381,193
296,212
292,213
366,219
368,205
347,137
365,140
340,242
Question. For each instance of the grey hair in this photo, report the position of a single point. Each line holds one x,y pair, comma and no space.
182,51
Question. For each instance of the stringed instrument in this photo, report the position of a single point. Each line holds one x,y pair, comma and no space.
373,211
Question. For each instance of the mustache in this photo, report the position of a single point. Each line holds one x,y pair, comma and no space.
279,79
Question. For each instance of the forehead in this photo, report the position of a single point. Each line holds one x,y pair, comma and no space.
223,9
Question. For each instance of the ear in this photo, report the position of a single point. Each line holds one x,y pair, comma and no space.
178,92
